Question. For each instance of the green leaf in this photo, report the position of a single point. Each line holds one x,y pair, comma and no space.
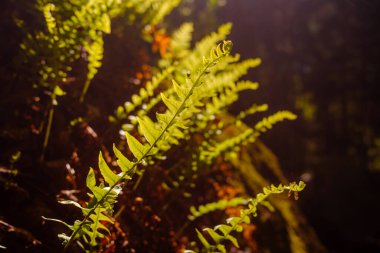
15,156
123,162
106,23
202,239
96,229
149,129
108,175
58,91
181,92
98,192
268,205
171,103
136,99
137,149
266,191
214,235
233,220
56,220
193,210
221,248
90,180
238,228
260,197
233,240
74,203
164,118
225,229
245,219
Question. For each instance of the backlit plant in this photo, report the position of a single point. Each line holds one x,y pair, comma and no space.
182,109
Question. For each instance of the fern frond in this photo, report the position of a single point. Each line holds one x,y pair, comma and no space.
268,122
95,12
222,66
95,52
201,210
246,85
210,152
201,94
49,19
221,233
216,81
180,41
227,78
252,110
219,103
166,6
194,59
145,94
229,96
151,12
82,24
160,136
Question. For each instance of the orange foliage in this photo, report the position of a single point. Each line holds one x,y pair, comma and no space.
161,42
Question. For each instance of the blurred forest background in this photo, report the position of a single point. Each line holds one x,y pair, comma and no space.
321,60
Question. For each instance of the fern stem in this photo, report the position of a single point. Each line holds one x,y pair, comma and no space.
84,91
180,109
180,231
138,180
48,127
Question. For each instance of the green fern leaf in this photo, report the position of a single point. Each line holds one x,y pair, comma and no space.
145,94
233,220
214,235
233,240
172,104
91,180
148,129
180,91
202,239
180,42
71,202
221,248
164,118
96,229
108,175
137,149
225,229
123,162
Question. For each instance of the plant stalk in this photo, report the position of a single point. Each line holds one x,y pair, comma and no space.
48,127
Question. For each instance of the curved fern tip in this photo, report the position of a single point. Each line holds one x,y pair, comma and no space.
301,185
222,232
227,46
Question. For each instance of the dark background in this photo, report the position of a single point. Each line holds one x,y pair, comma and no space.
321,59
